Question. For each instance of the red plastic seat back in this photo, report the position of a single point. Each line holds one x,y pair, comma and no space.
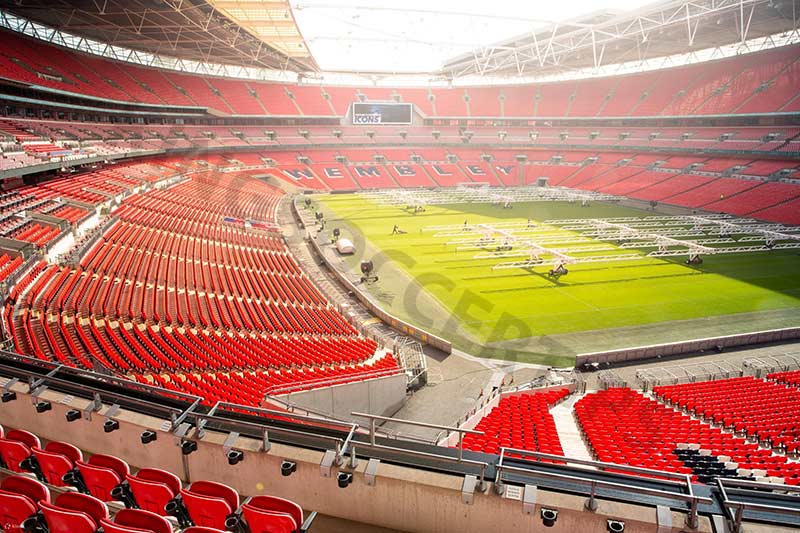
61,520
280,505
263,521
138,519
217,490
53,465
99,480
150,495
25,437
64,448
83,503
26,486
13,452
210,511
109,461
161,476
14,509
201,529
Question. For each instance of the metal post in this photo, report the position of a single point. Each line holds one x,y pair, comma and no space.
460,445
737,520
591,503
691,520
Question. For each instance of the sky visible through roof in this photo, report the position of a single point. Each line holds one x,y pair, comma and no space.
420,35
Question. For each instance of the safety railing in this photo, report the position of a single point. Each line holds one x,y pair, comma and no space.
98,389
373,419
574,471
741,495
187,418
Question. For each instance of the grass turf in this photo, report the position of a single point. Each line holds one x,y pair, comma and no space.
502,305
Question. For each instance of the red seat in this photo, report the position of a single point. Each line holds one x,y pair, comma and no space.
16,447
136,521
101,474
83,503
153,488
209,504
14,509
55,460
26,486
201,529
270,514
73,512
60,520
262,521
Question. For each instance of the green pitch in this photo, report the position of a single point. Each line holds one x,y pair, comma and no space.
595,306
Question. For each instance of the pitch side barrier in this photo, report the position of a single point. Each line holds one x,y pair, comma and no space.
337,447
654,351
391,320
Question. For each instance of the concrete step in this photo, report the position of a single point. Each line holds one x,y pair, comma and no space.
568,431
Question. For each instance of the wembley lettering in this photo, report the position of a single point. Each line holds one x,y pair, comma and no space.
298,173
368,171
404,170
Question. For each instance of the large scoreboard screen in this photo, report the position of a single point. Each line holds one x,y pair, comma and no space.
368,113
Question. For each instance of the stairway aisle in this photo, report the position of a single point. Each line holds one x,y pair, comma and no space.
568,431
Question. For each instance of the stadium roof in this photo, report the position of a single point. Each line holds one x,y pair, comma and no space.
440,39
184,29
656,30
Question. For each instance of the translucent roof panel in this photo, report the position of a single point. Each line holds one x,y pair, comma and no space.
420,35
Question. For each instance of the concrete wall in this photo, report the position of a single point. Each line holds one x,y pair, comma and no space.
379,396
687,347
402,498
392,321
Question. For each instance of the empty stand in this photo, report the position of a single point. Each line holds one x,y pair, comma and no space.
624,427
178,285
766,410
520,421
750,83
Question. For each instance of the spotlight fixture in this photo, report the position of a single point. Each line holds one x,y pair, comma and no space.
235,457
549,517
344,479
8,396
188,446
148,436
72,415
43,406
288,468
110,425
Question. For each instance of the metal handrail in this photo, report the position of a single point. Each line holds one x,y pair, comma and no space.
600,465
461,432
267,413
52,375
692,499
344,437
735,508
263,428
